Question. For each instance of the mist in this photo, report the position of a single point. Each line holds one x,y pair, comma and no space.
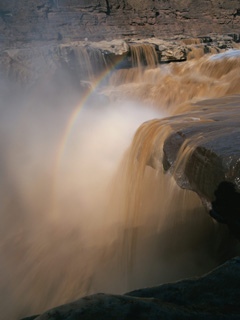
65,230
56,180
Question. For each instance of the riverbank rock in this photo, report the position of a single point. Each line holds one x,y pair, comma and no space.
213,125
64,21
84,60
213,296
209,139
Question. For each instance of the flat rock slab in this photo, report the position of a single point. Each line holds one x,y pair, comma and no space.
202,152
209,135
213,296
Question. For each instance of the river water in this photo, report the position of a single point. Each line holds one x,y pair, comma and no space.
81,209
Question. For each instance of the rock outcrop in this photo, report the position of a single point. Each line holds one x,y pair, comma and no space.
44,39
64,21
213,296
213,126
208,136
82,60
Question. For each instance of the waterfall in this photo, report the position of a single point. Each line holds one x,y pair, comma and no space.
87,205
143,54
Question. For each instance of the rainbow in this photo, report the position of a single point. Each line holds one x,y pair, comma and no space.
70,123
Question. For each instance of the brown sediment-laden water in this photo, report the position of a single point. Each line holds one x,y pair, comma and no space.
86,205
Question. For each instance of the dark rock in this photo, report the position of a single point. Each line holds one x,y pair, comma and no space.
204,293
213,296
226,206
209,140
215,158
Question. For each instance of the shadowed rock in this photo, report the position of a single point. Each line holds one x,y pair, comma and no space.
213,296
226,207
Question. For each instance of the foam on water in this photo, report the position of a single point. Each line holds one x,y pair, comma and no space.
81,210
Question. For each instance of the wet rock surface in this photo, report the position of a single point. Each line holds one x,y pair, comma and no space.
214,126
80,60
213,296
48,38
209,139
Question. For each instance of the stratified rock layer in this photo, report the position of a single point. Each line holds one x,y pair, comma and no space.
61,20
82,60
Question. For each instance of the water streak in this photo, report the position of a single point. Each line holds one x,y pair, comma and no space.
173,86
119,221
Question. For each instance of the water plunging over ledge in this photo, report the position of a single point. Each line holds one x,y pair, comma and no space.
87,205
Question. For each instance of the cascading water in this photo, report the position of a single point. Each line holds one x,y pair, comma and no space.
143,54
81,211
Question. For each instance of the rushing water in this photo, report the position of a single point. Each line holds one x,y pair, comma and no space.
81,210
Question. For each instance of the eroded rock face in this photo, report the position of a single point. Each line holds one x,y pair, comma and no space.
209,139
213,296
82,60
78,60
61,20
213,133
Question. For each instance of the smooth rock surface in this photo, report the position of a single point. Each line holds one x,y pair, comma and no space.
213,296
203,151
213,129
